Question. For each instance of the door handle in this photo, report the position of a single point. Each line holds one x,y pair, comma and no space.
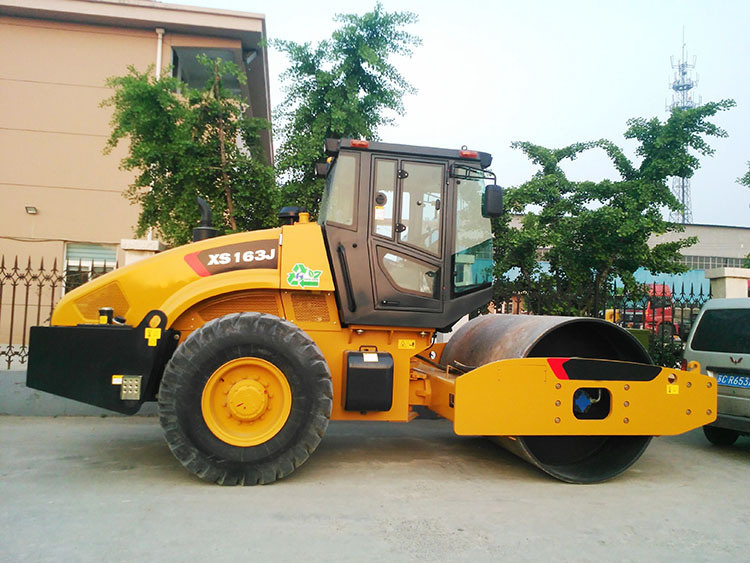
347,279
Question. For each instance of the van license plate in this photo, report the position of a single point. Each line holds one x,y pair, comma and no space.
733,380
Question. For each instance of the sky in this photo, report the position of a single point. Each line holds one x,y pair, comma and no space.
553,73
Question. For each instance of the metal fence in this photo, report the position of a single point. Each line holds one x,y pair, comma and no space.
660,308
28,294
665,311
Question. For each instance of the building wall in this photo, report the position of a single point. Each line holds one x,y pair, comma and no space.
716,241
717,246
53,133
55,58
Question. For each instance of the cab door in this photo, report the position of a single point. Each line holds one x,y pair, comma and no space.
406,234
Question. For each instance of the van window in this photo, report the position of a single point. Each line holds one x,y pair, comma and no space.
723,330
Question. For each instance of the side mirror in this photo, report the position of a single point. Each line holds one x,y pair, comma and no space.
492,201
321,169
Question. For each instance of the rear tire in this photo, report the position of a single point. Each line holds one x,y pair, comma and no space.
245,399
720,436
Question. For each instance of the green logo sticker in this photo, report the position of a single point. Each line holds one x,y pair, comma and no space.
303,276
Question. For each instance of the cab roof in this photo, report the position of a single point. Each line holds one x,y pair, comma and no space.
333,146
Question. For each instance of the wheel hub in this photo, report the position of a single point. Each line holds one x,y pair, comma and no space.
247,400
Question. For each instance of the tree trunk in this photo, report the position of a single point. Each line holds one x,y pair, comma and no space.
223,151
593,307
225,176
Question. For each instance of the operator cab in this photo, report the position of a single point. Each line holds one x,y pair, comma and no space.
408,232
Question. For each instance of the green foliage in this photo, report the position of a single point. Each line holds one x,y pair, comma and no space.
341,87
590,233
186,142
664,146
665,351
745,180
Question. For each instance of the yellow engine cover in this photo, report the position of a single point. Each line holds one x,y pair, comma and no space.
291,257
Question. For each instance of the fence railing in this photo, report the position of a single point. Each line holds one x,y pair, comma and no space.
657,307
28,294
664,310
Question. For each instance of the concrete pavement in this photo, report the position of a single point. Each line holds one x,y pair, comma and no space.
108,489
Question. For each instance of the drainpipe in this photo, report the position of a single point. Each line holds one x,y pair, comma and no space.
159,40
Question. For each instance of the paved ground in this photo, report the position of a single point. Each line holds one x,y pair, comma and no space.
108,489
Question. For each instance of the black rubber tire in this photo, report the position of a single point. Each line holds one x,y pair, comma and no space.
208,348
720,436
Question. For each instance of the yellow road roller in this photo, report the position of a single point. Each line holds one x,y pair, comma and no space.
252,342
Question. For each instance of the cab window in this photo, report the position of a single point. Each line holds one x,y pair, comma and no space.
340,193
421,200
385,189
409,275
472,253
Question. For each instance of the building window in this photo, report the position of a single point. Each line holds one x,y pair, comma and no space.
708,262
84,262
191,72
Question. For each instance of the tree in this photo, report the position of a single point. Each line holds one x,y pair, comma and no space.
186,142
745,180
586,234
341,87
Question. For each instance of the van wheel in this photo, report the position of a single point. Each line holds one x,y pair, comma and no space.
720,436
245,399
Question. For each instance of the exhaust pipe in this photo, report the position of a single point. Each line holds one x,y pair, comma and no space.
204,230
573,459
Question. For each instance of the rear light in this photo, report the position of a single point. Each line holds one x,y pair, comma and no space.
468,154
683,364
359,143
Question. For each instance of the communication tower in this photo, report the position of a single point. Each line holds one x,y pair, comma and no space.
682,98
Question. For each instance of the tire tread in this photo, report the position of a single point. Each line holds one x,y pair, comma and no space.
211,467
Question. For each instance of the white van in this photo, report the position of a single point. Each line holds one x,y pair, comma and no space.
720,341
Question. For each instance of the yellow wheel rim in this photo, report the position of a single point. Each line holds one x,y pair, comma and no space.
246,402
